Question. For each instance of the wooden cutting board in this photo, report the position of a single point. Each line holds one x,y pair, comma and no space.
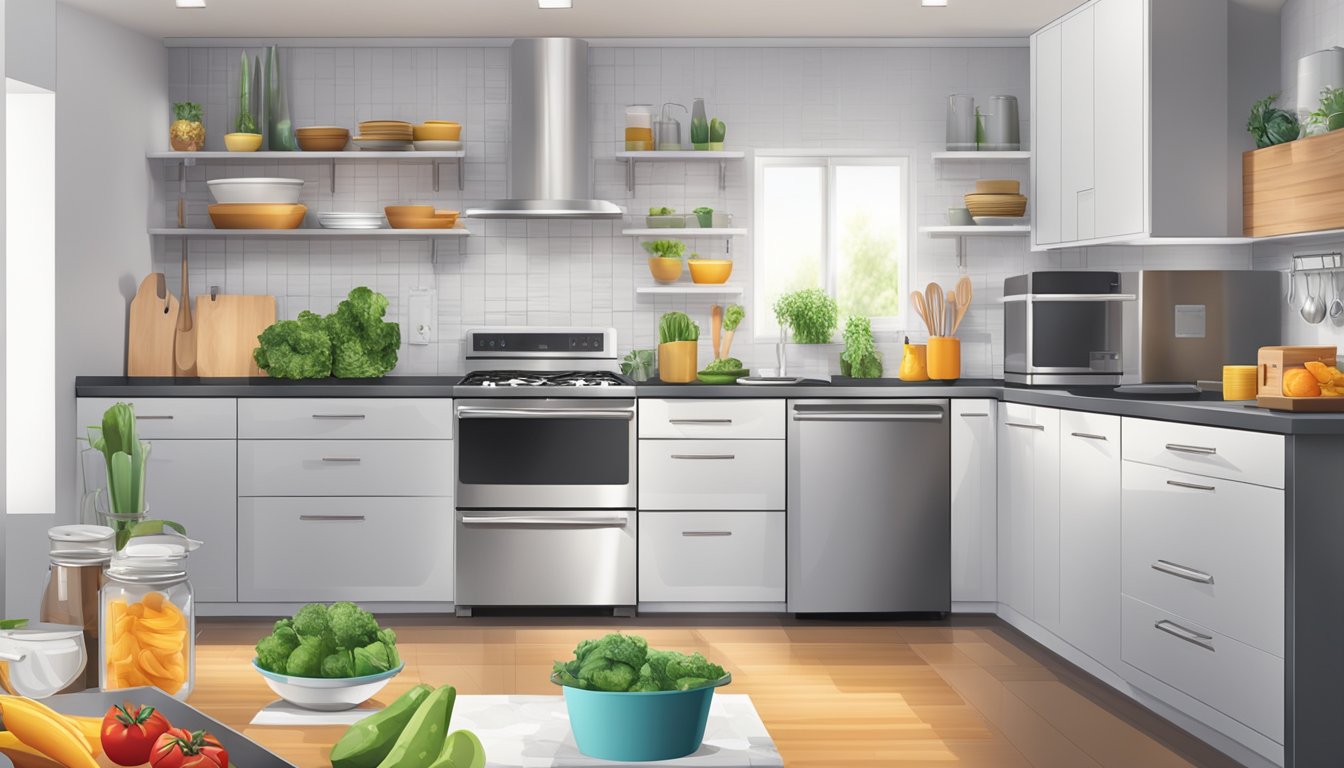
153,324
227,327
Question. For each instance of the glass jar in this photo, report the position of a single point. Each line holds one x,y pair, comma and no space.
149,617
79,554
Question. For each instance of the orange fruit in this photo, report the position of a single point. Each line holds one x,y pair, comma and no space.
1300,382
1320,370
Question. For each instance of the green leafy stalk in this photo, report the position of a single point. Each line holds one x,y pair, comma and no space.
677,326
860,357
665,249
810,314
13,623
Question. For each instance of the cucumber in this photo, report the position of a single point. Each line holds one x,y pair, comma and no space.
422,740
369,740
461,750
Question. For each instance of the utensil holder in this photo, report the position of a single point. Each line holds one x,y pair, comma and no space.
944,358
677,362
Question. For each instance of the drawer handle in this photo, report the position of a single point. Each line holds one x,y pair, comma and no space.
152,418
1188,635
349,416
341,459
1198,450
1180,571
333,518
706,533
518,521
975,415
704,456
699,421
1088,435
1040,427
1191,486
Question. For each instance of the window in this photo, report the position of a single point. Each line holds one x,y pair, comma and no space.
835,222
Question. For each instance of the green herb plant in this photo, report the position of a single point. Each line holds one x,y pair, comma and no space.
638,364
810,314
246,122
860,358
1330,114
337,641
1270,125
620,662
677,326
665,249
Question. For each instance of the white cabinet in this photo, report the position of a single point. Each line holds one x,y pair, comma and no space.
1089,534
701,557
1119,128
337,418
1077,188
1029,512
345,468
722,419
974,500
711,474
1047,144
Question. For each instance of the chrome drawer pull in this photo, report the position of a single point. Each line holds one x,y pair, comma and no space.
351,416
1188,635
1198,450
1191,486
975,415
341,459
153,418
333,518
706,533
1041,427
1180,571
704,457
516,521
699,421
1088,435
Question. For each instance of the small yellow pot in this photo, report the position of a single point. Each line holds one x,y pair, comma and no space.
242,142
944,358
676,362
665,270
913,364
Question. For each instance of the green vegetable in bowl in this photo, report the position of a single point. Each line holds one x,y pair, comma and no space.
337,641
677,326
620,662
1271,125
665,249
810,314
860,358
362,344
664,211
724,365
295,349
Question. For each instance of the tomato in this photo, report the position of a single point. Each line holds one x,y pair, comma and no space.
180,748
129,732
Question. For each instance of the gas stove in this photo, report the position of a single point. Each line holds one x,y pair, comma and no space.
541,379
543,362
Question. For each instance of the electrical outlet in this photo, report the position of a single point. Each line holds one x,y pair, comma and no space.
421,311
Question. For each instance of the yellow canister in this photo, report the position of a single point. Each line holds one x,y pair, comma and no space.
1239,382
677,362
913,363
944,358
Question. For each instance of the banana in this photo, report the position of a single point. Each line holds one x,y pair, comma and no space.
46,731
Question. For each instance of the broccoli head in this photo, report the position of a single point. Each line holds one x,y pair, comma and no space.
339,664
695,666
626,663
295,349
363,345
371,659
351,626
311,620
272,655
608,675
306,660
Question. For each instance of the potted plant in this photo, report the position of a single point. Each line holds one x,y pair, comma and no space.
809,314
638,364
1329,116
245,136
120,504
187,134
717,132
705,217
860,358
1271,125
665,259
678,337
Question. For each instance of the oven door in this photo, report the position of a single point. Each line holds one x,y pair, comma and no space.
535,454
1075,333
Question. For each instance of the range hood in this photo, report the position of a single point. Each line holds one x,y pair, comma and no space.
550,142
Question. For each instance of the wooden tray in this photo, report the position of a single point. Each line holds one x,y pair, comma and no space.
1301,404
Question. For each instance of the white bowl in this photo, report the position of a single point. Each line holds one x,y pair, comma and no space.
326,694
43,659
282,191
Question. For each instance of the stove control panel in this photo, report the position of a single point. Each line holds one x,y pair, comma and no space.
541,343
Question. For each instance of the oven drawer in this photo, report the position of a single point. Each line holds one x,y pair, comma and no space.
166,418
307,550
711,474
345,468
345,418
712,419
1240,681
704,557
1209,550
1231,454
553,558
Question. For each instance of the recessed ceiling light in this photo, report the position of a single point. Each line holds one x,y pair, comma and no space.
555,3
933,3
190,3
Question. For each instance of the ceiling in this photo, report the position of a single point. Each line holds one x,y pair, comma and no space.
588,18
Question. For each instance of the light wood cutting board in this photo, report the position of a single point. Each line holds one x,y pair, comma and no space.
227,327
149,341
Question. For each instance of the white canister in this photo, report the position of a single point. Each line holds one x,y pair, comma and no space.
1316,72
639,116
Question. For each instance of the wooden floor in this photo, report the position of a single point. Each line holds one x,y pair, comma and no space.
965,692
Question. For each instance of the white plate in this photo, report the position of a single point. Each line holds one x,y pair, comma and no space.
438,146
257,190
383,145
1001,221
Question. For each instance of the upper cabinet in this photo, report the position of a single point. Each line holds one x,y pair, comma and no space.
1129,123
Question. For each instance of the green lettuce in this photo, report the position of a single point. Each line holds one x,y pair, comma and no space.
295,349
620,662
363,345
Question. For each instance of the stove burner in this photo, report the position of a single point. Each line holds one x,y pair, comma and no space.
535,379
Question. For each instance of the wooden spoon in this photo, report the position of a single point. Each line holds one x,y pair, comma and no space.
715,326
917,299
933,296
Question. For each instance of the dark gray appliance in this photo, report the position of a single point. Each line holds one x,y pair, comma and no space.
869,506
1064,328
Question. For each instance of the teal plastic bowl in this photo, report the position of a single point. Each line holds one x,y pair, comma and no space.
639,727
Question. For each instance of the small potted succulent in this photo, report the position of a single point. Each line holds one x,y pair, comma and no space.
187,134
665,259
638,364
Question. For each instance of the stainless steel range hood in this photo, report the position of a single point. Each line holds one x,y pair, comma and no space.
550,143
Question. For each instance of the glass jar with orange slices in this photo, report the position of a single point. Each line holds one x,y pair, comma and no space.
148,617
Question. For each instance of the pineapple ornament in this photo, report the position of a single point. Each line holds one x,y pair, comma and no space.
187,133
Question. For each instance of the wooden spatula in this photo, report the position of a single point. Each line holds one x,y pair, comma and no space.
933,297
715,327
922,308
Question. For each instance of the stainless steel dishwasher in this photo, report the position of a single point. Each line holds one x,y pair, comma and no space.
869,506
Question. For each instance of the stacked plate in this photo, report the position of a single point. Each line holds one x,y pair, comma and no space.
998,198
323,138
355,220
384,135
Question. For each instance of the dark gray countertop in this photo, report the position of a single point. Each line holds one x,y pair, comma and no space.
1209,412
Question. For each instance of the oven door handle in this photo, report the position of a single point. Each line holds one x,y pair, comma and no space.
543,522
1069,297
473,412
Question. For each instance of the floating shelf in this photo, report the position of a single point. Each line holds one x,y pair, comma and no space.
679,155
687,232
191,158
969,156
690,289
1014,230
308,232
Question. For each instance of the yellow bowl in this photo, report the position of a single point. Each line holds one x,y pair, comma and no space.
242,142
710,271
438,131
665,270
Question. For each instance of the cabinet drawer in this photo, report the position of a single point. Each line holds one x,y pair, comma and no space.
711,474
305,550
1206,549
345,468
712,419
166,418
1231,454
1244,683
711,557
345,418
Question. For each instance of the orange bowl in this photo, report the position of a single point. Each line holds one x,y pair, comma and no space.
409,211
449,216
664,270
323,143
438,131
710,271
420,222
257,215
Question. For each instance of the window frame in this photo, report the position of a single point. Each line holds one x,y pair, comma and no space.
829,160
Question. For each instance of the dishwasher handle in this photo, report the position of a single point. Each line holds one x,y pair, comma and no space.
864,415
523,521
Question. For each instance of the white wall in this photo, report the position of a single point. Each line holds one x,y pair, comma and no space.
3,375
30,50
